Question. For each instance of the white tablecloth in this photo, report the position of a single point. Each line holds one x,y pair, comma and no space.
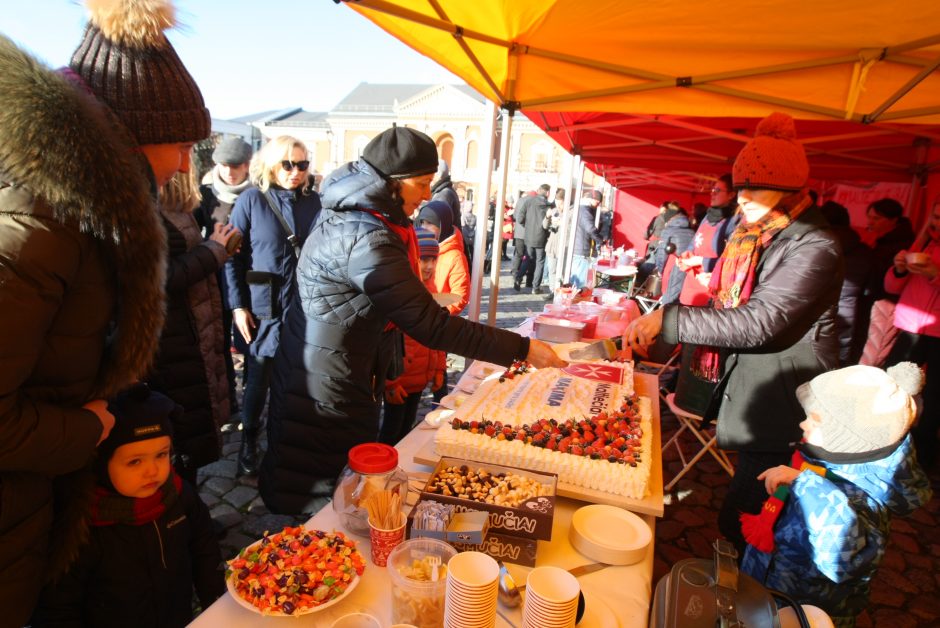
616,596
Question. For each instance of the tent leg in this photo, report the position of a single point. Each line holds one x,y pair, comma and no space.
481,209
497,254
573,222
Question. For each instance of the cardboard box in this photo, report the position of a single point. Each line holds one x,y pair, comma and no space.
531,519
510,549
464,527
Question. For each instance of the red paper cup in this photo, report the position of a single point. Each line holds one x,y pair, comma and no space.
384,541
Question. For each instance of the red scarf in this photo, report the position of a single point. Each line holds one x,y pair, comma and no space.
735,272
109,507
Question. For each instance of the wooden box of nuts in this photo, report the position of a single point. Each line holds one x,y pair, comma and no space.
519,502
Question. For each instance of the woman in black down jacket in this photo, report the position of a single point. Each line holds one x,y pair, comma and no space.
357,290
189,366
772,324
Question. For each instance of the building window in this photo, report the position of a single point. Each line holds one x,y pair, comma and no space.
472,155
541,157
445,148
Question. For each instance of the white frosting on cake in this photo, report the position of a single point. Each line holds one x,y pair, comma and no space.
549,394
540,395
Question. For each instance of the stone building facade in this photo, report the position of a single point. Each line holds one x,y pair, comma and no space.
454,115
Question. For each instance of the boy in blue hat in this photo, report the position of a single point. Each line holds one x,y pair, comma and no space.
150,538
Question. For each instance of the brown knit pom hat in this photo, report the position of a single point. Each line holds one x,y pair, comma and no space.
130,65
773,159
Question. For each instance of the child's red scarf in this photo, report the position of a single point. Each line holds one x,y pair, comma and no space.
759,529
110,508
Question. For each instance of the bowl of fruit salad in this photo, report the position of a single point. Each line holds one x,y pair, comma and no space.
295,572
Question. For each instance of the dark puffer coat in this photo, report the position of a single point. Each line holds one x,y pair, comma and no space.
679,232
530,212
783,336
189,367
140,575
82,258
586,233
858,259
443,190
353,279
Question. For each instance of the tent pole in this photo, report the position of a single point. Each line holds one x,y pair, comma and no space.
497,254
562,236
573,222
614,197
481,209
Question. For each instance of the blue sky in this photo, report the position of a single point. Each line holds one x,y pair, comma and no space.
249,55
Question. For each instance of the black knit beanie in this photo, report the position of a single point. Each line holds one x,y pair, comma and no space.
400,153
128,63
139,414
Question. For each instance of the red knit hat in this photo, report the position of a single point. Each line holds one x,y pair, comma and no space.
773,159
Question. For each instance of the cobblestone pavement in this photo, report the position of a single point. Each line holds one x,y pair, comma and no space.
904,593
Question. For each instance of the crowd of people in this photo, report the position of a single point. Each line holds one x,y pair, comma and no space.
125,284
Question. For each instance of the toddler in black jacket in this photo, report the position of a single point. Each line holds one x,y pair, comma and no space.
150,536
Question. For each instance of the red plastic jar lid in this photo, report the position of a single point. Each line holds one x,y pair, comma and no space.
373,458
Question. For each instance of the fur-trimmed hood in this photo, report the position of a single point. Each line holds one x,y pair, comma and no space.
72,155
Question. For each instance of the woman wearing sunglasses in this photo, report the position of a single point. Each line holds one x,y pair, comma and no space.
358,289
274,218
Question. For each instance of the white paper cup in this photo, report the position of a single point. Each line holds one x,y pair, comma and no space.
551,598
474,569
356,620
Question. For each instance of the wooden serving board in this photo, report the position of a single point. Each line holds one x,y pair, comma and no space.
652,504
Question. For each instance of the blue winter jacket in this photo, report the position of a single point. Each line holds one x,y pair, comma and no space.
831,536
260,276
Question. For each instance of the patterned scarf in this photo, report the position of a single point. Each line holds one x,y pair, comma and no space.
111,508
758,529
735,271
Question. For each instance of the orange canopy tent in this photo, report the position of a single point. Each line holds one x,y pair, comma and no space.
677,85
664,94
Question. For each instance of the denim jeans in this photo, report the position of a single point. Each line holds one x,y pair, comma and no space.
549,279
257,383
579,270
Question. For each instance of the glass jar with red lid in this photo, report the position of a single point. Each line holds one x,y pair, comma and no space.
371,467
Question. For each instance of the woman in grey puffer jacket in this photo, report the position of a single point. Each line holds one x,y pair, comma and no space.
773,324
357,290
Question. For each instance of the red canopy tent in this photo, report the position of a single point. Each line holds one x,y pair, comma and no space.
654,158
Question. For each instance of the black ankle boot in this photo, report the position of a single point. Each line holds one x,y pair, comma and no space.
248,455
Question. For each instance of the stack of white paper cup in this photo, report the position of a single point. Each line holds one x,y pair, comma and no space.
551,599
470,600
